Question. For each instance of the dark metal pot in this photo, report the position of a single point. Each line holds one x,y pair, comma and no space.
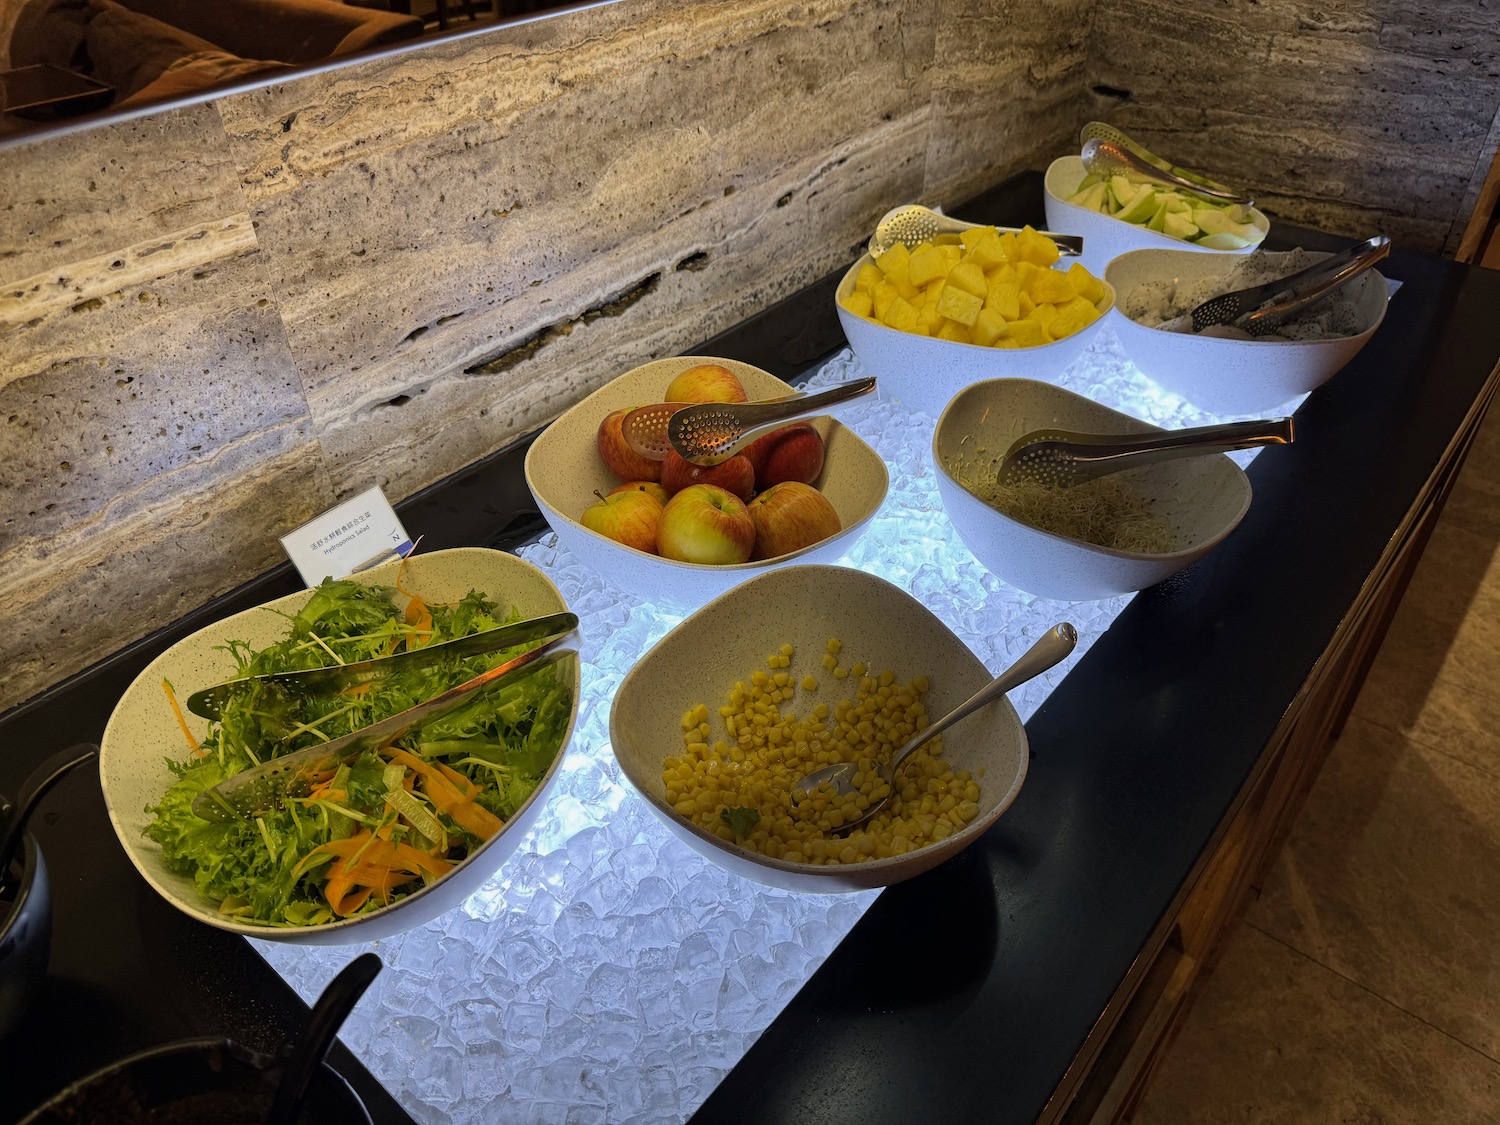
197,1080
25,934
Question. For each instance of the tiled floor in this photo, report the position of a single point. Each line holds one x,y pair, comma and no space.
1364,984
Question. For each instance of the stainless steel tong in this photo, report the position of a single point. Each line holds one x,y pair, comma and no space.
709,432
1106,151
333,678
267,786
1062,458
1261,308
914,224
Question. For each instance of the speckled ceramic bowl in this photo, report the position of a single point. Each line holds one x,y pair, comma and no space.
1234,376
1202,499
142,732
1106,237
563,470
879,624
923,373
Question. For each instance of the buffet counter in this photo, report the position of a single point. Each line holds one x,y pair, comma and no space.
1031,978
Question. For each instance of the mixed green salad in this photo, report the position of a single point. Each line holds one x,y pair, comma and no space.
390,822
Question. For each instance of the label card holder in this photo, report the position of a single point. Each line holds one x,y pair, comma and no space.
353,536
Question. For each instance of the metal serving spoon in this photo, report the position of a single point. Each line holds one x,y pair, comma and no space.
709,432
1062,458
914,224
1053,647
1262,308
1109,152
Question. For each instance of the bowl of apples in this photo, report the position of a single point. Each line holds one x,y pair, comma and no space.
675,532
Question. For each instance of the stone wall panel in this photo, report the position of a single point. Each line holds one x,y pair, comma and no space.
218,318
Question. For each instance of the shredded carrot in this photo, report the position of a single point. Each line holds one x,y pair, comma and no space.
400,570
357,690
192,742
419,616
451,793
366,861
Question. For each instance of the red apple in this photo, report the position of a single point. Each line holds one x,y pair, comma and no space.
793,452
706,382
735,474
649,487
630,517
789,516
619,458
705,524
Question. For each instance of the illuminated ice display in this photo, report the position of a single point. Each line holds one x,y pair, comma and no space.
608,973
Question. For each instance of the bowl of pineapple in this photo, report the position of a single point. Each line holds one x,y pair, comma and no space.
986,303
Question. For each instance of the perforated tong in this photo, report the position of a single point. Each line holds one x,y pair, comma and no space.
1262,308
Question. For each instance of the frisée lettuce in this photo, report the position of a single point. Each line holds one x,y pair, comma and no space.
389,822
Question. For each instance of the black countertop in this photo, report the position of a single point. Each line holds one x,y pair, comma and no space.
973,986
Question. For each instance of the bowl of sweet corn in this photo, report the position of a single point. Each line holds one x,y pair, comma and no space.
799,668
930,320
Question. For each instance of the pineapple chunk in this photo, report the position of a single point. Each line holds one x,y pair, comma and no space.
1045,315
927,264
1004,297
974,235
956,304
986,251
881,299
989,326
1026,304
1050,287
1072,316
902,316
1085,284
896,259
868,277
1003,272
952,330
1027,333
859,303
970,278
1036,248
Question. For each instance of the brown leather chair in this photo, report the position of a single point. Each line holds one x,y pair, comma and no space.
291,31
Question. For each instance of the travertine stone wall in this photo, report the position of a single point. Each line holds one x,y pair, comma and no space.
1358,117
216,321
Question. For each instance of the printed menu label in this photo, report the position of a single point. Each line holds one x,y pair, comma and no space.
354,536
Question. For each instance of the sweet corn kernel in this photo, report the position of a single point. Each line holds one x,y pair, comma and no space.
767,754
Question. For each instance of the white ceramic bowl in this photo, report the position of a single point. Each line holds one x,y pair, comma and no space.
805,606
1233,376
923,373
1104,236
563,469
1202,499
142,731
